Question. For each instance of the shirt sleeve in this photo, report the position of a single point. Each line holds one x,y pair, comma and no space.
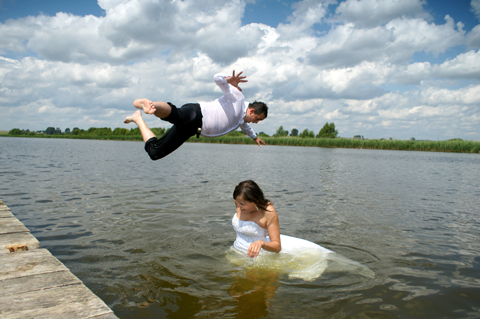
231,92
247,129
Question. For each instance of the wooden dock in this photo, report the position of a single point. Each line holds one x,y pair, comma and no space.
35,284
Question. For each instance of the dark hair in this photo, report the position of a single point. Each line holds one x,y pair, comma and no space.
259,107
251,192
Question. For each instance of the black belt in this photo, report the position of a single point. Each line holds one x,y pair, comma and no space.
199,110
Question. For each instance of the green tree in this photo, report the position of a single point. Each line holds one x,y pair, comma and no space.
328,131
307,134
294,132
50,130
15,131
120,131
158,131
134,131
280,132
103,131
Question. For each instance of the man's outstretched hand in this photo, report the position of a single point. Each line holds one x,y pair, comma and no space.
235,80
260,141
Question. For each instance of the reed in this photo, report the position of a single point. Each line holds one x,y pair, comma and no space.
456,146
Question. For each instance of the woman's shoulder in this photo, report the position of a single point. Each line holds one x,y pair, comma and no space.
270,212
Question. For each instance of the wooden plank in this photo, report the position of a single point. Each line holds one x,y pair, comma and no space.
3,206
36,282
74,301
11,225
24,238
6,214
28,263
4,210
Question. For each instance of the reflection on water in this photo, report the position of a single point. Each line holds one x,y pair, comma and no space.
252,290
151,238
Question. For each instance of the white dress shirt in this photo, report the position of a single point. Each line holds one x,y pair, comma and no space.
227,113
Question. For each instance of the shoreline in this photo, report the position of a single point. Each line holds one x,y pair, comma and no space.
448,146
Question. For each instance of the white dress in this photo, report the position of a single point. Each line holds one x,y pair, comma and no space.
300,258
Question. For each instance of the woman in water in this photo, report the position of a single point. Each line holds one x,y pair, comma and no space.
255,218
257,227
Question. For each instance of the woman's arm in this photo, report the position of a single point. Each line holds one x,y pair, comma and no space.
273,228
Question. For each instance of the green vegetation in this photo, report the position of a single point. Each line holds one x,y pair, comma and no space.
457,145
328,131
104,133
281,132
325,138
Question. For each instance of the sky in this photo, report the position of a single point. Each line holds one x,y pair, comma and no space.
378,68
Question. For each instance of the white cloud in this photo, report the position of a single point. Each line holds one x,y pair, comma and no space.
464,66
415,35
306,14
476,8
396,42
370,13
473,38
359,71
346,45
444,97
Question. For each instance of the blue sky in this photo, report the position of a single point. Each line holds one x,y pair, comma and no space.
14,9
270,12
378,68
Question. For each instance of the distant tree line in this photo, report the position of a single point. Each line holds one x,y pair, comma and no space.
17,132
327,131
93,131
326,137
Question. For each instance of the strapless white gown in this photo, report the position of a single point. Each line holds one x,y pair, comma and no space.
300,258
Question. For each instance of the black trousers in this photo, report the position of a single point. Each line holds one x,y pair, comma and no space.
186,120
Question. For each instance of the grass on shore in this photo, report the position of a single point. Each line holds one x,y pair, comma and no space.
454,145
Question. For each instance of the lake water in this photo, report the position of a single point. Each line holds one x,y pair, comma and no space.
151,238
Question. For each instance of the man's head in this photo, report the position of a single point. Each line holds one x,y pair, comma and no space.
256,112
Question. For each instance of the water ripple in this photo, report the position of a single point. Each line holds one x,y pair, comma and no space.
154,242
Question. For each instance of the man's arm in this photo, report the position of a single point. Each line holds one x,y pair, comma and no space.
235,80
230,90
247,129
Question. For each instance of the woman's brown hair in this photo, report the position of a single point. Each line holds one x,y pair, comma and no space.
251,192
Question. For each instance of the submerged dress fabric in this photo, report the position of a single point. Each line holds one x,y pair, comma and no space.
249,232
299,258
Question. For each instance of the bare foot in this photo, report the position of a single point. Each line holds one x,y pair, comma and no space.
144,104
133,118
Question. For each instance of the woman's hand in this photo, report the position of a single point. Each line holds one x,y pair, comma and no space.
255,248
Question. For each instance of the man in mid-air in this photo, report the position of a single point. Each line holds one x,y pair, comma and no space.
209,119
